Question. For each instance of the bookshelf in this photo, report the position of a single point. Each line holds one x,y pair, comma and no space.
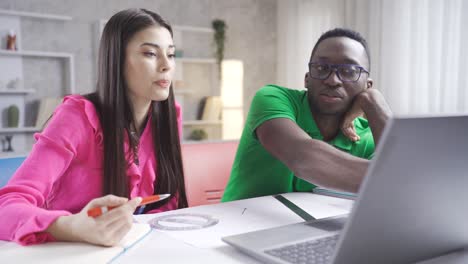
11,71
196,69
67,57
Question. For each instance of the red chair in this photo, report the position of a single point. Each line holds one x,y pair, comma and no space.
207,166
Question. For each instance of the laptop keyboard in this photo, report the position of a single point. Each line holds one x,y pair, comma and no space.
311,251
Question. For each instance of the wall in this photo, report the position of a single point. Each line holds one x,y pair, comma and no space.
251,37
418,48
301,22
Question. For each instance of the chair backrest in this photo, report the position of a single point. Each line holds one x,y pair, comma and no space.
207,166
8,166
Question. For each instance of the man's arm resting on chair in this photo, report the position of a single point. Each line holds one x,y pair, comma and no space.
310,159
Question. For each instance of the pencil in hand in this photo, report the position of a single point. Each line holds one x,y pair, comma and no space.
97,211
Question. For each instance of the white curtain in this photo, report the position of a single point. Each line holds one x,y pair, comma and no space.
418,48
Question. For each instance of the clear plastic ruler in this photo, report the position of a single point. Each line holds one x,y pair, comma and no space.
178,222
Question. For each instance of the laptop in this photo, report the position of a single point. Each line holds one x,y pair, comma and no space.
411,206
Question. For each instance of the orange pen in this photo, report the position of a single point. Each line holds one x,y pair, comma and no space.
97,211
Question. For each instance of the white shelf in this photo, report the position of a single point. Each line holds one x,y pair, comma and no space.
31,53
69,58
19,130
196,60
182,91
193,29
17,91
202,122
34,15
102,23
14,154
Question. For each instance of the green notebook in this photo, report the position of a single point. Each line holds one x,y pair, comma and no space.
338,194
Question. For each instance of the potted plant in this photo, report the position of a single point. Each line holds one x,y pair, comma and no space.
219,27
13,116
198,134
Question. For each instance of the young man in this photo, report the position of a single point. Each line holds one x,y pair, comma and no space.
294,140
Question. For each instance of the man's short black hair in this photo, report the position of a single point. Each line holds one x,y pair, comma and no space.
344,32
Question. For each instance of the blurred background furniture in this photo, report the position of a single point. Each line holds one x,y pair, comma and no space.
207,167
8,166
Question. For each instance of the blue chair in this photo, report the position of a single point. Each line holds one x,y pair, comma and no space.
8,166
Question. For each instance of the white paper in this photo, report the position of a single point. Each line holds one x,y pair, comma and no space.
250,215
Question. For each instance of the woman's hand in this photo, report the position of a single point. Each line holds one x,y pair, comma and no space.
106,230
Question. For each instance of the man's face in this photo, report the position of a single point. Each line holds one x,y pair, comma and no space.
332,96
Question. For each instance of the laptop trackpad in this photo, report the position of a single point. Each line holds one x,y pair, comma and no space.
328,224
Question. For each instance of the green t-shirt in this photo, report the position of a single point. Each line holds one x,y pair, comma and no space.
255,171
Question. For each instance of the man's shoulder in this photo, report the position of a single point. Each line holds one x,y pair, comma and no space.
275,99
275,95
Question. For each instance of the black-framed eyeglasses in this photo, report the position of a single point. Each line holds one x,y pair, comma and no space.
345,72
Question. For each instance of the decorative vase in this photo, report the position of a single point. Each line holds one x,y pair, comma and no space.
13,116
4,144
8,148
11,40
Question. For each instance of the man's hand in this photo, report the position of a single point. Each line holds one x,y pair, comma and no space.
347,125
369,103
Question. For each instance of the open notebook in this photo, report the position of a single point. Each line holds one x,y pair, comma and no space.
67,252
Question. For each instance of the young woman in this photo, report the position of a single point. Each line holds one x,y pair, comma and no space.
108,148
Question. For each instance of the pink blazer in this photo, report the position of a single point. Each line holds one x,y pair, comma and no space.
63,172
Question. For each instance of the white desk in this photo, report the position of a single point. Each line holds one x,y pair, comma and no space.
205,245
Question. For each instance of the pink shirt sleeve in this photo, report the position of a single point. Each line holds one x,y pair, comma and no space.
23,201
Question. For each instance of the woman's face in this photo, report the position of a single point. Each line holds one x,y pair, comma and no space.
149,65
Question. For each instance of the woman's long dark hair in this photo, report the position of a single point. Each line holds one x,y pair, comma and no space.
115,112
